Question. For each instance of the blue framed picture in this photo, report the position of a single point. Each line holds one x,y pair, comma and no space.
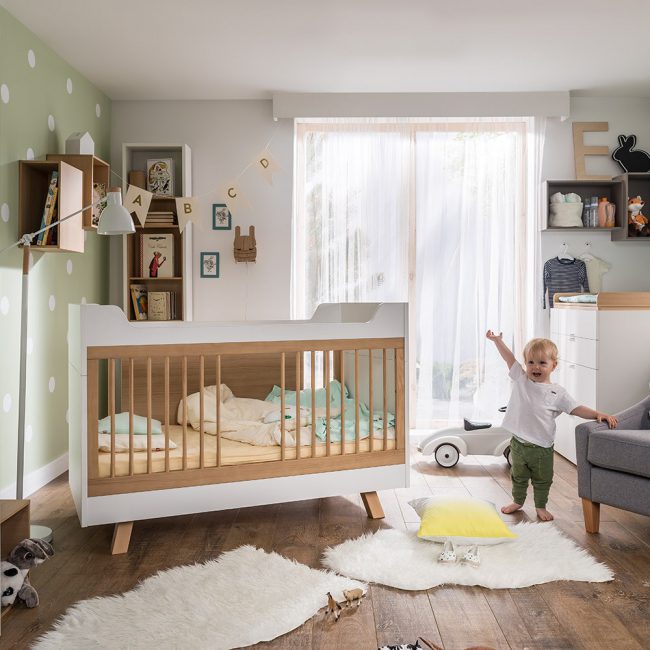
209,265
221,217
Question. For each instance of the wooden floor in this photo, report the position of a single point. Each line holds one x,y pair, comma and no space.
555,615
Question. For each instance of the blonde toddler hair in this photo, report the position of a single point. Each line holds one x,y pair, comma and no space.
545,346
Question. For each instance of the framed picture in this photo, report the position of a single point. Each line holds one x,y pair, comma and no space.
160,176
221,217
209,265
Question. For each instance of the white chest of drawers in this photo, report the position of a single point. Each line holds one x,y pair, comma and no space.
604,360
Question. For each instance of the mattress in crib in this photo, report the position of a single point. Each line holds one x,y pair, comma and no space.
232,452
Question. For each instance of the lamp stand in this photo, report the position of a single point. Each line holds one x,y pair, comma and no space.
37,532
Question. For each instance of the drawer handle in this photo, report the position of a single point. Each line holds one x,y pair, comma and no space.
572,366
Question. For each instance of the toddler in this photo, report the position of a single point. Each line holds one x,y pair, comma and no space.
534,404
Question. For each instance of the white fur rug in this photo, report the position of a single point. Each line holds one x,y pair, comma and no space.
243,597
400,559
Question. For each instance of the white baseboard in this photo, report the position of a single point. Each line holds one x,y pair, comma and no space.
38,478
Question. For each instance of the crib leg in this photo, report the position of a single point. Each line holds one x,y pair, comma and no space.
372,504
121,537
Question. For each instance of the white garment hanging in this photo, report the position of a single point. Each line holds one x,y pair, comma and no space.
596,268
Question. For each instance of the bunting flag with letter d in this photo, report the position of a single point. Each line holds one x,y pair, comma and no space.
187,210
267,165
138,200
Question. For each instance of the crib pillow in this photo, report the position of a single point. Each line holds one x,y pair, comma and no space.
320,395
122,424
461,519
139,442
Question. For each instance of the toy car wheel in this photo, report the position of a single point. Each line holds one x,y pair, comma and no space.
506,453
446,455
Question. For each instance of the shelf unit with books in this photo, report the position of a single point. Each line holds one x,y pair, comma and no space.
96,176
171,271
34,179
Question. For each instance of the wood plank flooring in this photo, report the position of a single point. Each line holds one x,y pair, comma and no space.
554,615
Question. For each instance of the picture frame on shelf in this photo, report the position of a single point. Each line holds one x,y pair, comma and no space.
160,176
139,299
209,265
157,255
221,217
99,201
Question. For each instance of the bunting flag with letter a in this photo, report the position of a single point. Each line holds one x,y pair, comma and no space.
138,200
234,198
267,165
187,210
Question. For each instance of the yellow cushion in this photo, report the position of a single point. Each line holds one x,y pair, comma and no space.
463,520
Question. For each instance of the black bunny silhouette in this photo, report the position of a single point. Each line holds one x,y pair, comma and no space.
631,161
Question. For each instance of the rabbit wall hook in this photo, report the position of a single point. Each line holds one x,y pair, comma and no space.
245,247
630,159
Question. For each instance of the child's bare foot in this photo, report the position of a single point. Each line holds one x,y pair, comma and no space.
511,507
544,514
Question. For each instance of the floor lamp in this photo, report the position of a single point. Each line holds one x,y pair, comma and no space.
114,220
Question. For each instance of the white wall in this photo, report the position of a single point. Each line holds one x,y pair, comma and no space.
224,137
630,261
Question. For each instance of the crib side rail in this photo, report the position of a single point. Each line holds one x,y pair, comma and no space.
156,380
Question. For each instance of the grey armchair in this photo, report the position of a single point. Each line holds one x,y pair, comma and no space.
614,464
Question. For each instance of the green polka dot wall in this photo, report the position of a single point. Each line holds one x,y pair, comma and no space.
42,101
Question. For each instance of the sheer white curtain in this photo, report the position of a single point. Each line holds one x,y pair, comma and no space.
351,206
436,210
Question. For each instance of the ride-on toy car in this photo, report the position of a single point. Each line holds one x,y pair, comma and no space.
476,438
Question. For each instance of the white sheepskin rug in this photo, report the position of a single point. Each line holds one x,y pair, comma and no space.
400,559
243,597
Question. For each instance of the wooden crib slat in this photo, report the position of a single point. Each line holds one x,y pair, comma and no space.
131,411
313,403
92,418
328,440
218,382
371,423
399,398
184,380
385,381
342,378
149,410
111,409
201,415
282,427
356,402
166,414
298,417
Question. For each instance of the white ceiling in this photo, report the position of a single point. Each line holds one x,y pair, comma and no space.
245,49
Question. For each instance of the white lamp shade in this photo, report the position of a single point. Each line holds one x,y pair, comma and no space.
115,219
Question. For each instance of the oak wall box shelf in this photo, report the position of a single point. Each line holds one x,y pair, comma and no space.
134,158
33,181
634,184
95,170
613,189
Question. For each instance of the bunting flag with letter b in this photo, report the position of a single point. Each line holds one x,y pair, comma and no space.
138,200
187,210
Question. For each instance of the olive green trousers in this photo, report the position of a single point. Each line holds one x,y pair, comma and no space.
532,463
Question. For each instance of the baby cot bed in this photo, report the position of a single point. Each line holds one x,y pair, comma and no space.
157,370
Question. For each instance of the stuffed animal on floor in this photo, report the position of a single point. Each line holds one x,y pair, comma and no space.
333,607
13,571
427,644
353,596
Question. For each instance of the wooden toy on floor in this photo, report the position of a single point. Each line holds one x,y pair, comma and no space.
333,607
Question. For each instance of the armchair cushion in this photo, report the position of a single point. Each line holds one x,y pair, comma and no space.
622,450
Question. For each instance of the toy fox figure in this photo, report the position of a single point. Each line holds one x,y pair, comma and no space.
637,221
333,607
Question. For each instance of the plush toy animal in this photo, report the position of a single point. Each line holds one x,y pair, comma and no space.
353,595
333,607
637,221
14,570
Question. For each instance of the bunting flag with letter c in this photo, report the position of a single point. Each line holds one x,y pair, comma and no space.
234,198
138,200
187,210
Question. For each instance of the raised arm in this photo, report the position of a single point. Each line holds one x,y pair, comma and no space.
503,349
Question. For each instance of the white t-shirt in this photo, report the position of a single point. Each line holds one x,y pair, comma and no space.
596,268
533,407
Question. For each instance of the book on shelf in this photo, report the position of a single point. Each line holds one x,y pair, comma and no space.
156,255
159,302
48,210
139,299
160,218
51,237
